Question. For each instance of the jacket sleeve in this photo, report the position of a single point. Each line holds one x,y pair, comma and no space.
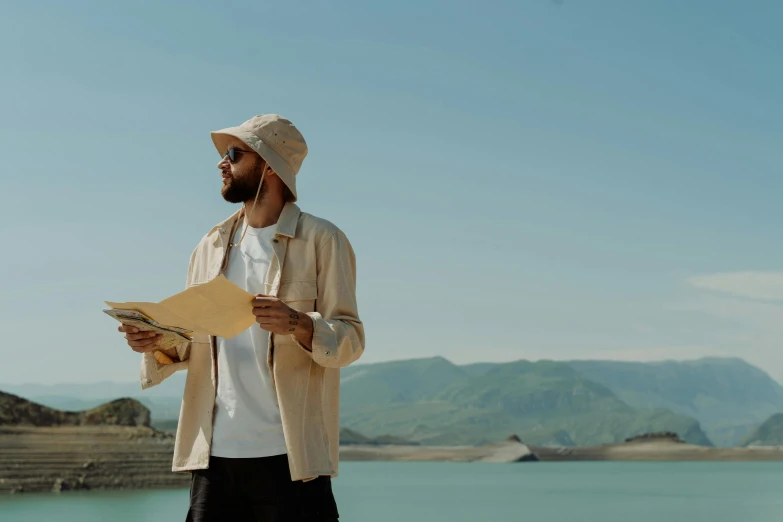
153,372
338,334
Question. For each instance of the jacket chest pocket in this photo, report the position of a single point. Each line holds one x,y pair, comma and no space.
299,295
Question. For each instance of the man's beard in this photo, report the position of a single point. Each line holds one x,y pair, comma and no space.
240,190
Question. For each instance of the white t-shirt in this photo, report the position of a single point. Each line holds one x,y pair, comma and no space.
247,416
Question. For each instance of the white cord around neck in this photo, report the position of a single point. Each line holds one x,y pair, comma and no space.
249,216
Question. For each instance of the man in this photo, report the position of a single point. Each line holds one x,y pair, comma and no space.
259,422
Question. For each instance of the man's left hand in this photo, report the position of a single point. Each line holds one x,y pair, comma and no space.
277,317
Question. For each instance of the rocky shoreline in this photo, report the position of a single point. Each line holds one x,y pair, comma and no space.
647,451
63,458
658,450
510,450
650,447
113,446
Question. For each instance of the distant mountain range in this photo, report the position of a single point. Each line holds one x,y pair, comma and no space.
432,401
770,433
728,396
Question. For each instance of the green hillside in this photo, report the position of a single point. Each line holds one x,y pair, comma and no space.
544,402
728,396
770,433
398,381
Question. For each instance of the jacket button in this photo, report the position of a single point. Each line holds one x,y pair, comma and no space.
327,352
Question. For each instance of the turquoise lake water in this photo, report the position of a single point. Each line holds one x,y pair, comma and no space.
450,492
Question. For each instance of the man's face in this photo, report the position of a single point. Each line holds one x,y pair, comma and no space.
241,178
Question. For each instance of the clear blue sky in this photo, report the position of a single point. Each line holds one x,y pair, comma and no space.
523,179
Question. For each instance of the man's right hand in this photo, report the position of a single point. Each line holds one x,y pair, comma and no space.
140,340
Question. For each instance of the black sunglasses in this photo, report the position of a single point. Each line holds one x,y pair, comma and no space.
232,154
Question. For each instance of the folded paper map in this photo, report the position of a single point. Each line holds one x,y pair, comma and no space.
218,308
171,336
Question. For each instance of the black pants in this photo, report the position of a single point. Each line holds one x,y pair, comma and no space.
258,490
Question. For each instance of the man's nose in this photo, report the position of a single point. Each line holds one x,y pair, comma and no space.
223,162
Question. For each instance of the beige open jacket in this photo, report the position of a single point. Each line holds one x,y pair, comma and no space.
313,271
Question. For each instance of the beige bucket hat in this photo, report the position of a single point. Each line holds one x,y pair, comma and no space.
275,139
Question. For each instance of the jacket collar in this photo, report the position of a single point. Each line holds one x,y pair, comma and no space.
286,223
289,218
